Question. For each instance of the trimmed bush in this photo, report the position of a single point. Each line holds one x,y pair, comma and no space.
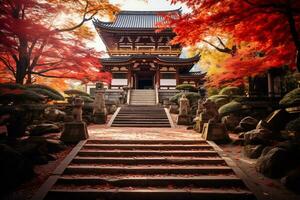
187,87
18,94
232,107
231,91
293,125
57,95
87,99
76,93
291,98
221,101
47,93
12,86
191,96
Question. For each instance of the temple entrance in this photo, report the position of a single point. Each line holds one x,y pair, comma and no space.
144,80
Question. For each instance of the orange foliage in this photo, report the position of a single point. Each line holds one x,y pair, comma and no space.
268,27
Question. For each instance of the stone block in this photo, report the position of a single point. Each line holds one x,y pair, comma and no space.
100,118
74,132
214,131
183,120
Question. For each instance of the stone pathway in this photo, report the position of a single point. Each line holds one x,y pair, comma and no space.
145,163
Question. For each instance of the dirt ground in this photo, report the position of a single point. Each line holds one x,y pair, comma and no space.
42,172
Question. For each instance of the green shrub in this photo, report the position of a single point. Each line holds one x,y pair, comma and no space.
218,96
58,95
212,91
291,98
231,91
12,86
47,93
187,87
76,93
87,99
232,107
191,96
221,101
19,96
293,125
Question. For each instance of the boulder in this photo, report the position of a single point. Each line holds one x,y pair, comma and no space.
53,114
253,151
55,145
230,121
248,123
45,128
14,168
277,120
242,135
275,163
292,180
258,136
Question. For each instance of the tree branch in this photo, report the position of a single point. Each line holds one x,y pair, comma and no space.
84,19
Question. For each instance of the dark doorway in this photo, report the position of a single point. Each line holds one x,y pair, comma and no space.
144,80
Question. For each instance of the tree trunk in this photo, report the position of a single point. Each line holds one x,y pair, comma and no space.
23,62
294,33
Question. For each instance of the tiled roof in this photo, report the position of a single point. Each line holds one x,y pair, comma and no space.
135,20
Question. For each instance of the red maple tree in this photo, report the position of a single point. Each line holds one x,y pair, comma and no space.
268,30
33,44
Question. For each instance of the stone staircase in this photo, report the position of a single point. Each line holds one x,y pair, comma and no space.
141,116
142,97
144,170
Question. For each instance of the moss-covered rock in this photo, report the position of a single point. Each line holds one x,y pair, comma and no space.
291,98
230,108
191,96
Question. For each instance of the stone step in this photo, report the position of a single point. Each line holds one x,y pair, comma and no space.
152,118
171,142
199,170
133,122
149,160
149,153
142,125
148,147
151,194
197,181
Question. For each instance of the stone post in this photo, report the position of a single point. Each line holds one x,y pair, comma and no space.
77,130
183,117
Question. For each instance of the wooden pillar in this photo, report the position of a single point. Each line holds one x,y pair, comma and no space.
157,77
177,76
129,76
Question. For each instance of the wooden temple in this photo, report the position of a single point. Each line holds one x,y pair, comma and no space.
142,58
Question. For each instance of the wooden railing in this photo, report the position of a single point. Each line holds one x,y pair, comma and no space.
145,51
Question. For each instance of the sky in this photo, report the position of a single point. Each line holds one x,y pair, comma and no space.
141,5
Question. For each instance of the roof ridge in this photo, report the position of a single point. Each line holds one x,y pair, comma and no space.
148,12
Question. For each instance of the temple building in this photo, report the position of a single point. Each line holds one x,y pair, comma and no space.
142,58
